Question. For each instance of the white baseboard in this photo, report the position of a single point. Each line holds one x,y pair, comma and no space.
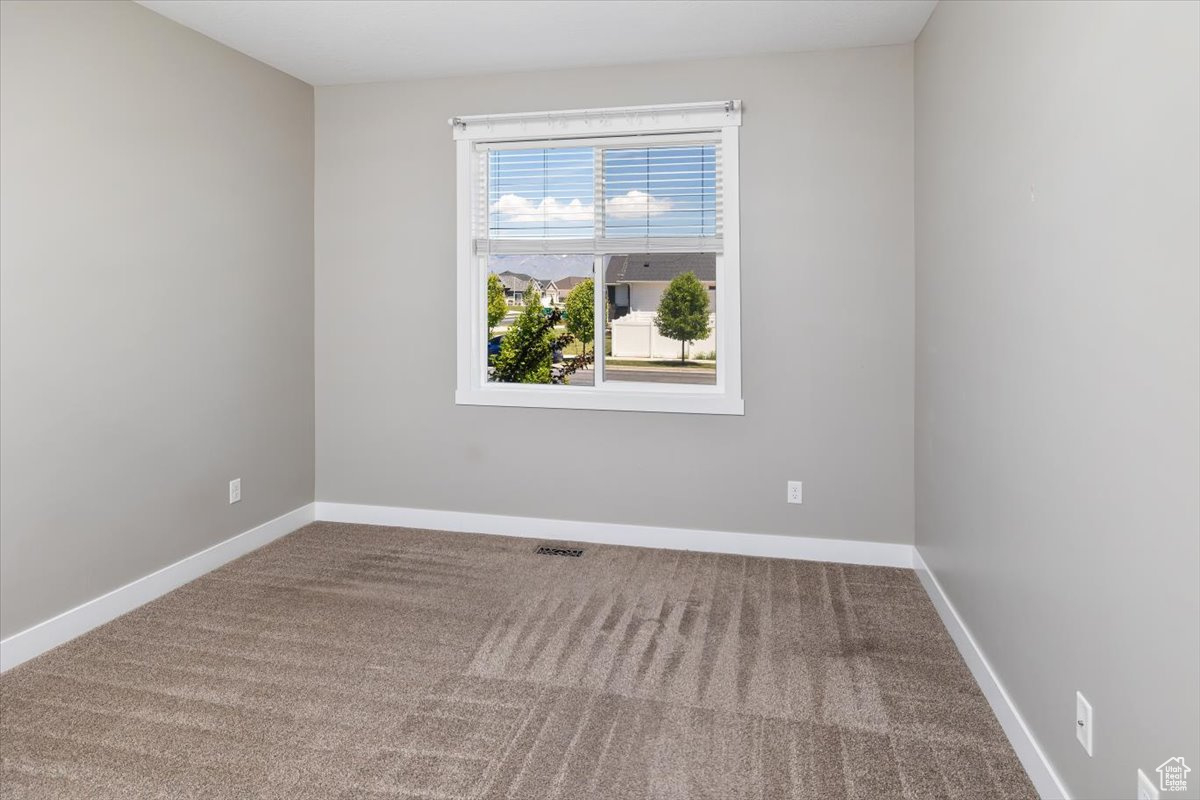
1045,780
57,630
843,551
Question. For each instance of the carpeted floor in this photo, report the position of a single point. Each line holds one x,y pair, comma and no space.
349,661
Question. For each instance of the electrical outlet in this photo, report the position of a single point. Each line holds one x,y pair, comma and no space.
235,491
1083,722
1146,788
795,492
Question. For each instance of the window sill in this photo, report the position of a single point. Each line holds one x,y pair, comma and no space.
679,402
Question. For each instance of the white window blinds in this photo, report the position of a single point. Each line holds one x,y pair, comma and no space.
655,194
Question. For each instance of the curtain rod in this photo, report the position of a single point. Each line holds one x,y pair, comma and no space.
728,106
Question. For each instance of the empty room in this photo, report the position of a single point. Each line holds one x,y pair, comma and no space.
599,399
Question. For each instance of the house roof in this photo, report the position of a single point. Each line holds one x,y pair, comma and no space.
569,282
516,281
639,267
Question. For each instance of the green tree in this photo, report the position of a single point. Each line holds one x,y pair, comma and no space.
581,312
525,350
497,306
683,312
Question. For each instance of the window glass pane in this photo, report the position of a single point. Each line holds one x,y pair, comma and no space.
540,193
661,318
661,191
541,318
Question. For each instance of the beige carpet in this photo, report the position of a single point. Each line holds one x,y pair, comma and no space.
349,661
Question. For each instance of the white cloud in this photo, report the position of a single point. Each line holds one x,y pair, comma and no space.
635,204
522,209
631,205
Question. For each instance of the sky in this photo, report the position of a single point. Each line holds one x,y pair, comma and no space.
550,192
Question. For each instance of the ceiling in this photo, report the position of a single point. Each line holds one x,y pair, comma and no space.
328,42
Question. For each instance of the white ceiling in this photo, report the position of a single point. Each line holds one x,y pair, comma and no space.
356,41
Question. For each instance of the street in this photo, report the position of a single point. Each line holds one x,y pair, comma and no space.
699,377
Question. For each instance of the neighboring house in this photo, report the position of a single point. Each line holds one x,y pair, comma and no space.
635,284
515,284
558,290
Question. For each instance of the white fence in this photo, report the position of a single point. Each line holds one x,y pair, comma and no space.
635,336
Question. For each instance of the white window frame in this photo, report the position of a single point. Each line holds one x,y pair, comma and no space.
652,123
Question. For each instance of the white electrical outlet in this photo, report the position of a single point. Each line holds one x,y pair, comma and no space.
795,492
1146,788
235,490
1083,722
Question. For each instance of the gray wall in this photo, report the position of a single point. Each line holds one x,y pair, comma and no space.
827,292
1058,364
157,298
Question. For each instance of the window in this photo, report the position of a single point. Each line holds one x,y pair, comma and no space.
598,259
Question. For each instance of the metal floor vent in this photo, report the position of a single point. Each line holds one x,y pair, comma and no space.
558,551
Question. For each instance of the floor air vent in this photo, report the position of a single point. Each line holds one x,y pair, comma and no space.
558,551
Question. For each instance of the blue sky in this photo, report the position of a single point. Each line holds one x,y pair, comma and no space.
663,191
